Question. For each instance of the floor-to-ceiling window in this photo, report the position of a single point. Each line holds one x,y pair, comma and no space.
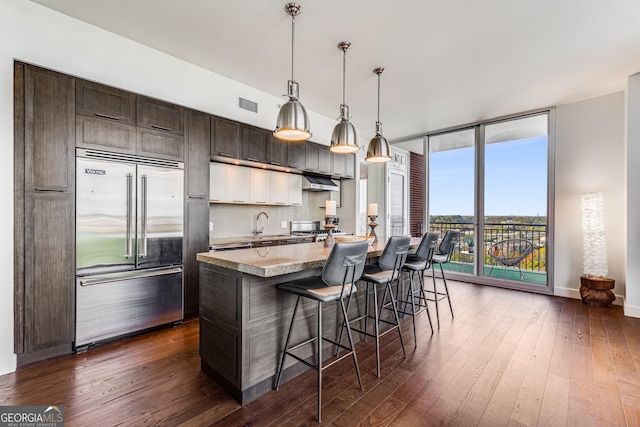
491,181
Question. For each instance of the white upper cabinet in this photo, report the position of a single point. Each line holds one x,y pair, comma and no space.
295,189
280,188
239,184
259,187
217,182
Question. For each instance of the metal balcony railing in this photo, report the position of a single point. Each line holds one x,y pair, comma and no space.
468,244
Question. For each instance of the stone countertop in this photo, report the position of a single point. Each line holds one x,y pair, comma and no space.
278,260
250,239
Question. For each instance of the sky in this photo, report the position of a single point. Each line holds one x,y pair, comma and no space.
515,179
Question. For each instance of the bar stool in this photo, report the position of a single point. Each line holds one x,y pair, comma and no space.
443,256
340,273
385,273
418,263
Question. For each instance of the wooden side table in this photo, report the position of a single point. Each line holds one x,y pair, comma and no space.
596,291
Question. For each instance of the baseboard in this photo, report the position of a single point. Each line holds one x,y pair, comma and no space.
575,294
631,310
8,364
566,292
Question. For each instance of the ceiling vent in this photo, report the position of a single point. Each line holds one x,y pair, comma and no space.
245,104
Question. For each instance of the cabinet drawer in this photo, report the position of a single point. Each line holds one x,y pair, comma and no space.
159,115
102,134
93,99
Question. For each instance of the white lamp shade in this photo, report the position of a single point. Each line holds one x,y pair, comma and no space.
593,240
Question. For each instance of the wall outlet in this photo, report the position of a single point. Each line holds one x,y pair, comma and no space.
284,224
210,226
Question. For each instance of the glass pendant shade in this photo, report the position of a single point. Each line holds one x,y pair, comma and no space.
344,139
292,123
378,150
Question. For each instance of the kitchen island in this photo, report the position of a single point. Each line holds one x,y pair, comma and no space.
244,318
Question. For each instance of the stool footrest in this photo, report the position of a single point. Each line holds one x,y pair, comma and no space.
289,351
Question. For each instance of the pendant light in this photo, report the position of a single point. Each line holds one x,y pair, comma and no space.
293,123
378,151
344,138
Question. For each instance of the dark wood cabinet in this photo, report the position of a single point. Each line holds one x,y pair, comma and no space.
338,165
49,130
342,165
276,150
296,155
351,166
96,100
100,134
160,144
44,285
225,138
312,157
196,205
116,120
196,233
160,116
253,144
49,303
196,159
324,160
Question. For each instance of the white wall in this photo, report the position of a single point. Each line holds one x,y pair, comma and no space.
632,301
589,157
37,35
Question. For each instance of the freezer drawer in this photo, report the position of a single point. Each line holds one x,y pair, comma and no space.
112,305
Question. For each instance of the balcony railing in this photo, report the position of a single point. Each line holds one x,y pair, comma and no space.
468,245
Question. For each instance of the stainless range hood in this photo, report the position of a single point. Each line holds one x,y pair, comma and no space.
319,183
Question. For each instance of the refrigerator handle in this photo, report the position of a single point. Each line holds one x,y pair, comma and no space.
143,216
127,255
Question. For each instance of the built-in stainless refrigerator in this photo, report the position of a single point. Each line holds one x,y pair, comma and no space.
129,231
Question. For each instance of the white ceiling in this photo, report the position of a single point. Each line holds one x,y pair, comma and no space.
447,62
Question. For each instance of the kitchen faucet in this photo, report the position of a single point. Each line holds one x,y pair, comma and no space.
257,230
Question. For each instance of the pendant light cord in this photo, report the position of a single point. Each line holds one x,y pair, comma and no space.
293,44
379,97
344,77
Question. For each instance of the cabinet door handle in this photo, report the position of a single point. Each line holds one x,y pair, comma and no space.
106,116
225,154
52,190
251,159
161,128
280,203
238,201
259,201
275,163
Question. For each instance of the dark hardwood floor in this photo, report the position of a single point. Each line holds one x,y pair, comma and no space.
508,358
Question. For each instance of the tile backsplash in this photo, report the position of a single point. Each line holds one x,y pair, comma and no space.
239,220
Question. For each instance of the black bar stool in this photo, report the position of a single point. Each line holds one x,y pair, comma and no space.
385,273
443,256
418,263
339,275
